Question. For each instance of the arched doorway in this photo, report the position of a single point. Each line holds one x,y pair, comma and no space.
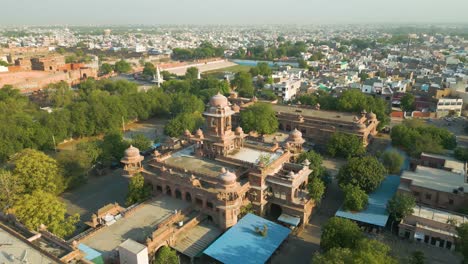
178,194
159,188
85,76
275,210
288,127
168,191
188,197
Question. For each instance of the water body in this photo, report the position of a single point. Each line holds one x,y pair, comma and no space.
270,63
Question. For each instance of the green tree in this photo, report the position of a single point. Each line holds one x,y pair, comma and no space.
75,165
106,68
365,172
44,208
407,102
141,142
149,69
417,257
462,240
166,255
339,232
37,171
393,161
176,127
315,160
113,147
4,63
355,199
92,150
11,189
191,73
345,145
302,64
316,189
263,69
336,255
138,190
259,117
243,84
122,67
461,154
401,205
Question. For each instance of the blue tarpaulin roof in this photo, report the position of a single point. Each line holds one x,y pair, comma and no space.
376,212
241,244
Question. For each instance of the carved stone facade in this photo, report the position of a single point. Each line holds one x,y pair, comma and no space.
218,174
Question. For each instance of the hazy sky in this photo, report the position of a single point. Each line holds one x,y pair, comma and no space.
84,12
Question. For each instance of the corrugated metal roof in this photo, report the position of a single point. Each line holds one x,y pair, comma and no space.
376,211
242,244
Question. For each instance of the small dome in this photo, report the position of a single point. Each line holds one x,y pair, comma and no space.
132,152
199,132
239,131
235,108
227,177
371,116
187,133
361,126
219,100
296,134
291,174
254,99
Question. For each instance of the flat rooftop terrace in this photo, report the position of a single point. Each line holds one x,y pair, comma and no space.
306,112
185,160
435,179
253,155
15,250
137,226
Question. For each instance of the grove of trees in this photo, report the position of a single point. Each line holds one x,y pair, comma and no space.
414,136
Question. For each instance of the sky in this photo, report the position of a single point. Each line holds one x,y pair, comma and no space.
150,12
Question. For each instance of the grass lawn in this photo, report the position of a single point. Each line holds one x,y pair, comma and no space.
219,73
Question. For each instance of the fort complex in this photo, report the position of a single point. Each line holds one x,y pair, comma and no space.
221,170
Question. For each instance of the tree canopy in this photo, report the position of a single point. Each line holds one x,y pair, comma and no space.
365,172
407,102
339,232
37,171
122,66
141,142
315,160
41,207
355,199
106,68
138,190
316,189
345,145
166,255
414,136
259,117
244,85
393,161
176,127
400,206
149,69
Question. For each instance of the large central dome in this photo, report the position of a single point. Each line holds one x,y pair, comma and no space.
219,100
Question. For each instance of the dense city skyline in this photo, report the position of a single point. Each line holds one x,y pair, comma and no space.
230,12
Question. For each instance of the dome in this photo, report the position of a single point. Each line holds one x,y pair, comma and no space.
291,174
199,132
371,116
361,126
296,134
235,108
239,131
219,100
227,177
132,152
187,133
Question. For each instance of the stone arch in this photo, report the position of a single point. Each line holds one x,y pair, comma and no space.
178,194
159,188
168,190
275,210
188,197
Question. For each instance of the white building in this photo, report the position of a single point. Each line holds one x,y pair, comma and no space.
132,252
449,106
286,88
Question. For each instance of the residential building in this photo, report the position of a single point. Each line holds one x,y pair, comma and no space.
449,107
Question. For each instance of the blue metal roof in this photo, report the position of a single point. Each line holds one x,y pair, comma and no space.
376,212
90,253
241,244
